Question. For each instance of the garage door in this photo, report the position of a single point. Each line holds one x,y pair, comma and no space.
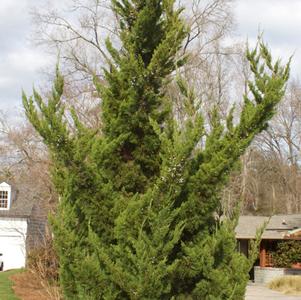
13,250
12,242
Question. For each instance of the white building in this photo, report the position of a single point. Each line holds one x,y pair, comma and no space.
22,227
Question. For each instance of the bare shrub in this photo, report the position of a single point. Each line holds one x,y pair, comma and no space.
43,264
289,285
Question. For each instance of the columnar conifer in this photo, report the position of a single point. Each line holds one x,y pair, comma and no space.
139,196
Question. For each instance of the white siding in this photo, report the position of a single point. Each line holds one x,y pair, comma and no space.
12,242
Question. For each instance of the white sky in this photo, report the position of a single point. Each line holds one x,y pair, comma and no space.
20,61
280,21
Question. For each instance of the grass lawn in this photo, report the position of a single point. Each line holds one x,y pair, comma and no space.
6,292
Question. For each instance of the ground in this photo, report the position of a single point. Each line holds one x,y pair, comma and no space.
6,292
22,285
26,287
260,292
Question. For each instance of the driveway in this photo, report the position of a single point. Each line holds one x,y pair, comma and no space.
260,292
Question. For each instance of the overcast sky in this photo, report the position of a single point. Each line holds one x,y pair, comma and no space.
280,21
20,61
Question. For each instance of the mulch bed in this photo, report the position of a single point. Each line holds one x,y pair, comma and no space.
27,287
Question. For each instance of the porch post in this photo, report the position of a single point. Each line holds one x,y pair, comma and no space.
262,257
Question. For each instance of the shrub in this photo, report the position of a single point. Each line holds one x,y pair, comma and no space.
43,265
287,253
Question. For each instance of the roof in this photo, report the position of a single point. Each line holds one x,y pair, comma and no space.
4,184
278,227
21,205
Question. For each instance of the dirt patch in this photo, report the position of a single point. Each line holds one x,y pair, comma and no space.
27,287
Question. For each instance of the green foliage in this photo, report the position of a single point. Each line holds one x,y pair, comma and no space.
138,197
254,246
287,253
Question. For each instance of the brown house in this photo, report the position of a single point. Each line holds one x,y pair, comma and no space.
278,228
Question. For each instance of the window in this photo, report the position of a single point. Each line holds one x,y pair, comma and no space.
3,199
5,196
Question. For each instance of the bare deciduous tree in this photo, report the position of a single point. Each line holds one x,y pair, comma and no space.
24,162
270,181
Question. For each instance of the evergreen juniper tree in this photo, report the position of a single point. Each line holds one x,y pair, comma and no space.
138,196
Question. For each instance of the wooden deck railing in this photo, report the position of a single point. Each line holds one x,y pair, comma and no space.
269,260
